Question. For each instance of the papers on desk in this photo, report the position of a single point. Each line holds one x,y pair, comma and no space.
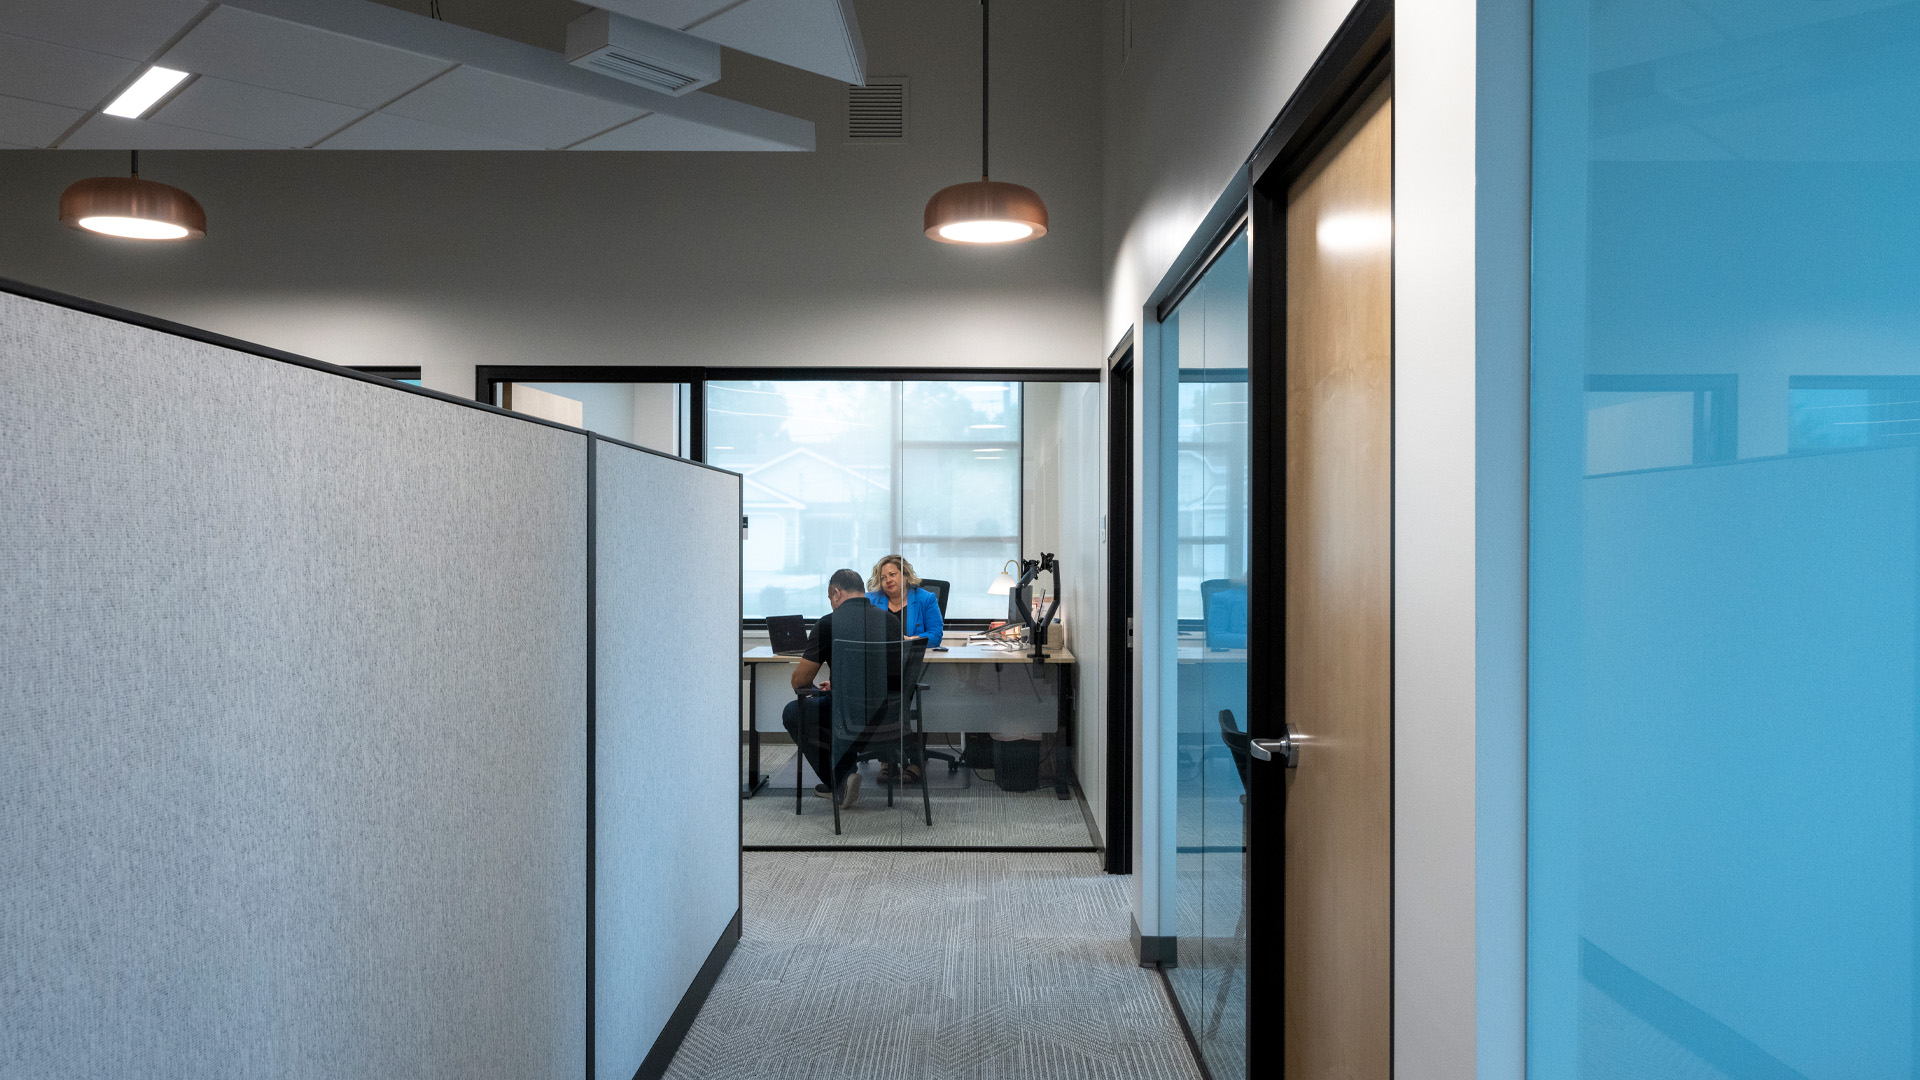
997,646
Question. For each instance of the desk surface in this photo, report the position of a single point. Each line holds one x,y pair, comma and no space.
956,654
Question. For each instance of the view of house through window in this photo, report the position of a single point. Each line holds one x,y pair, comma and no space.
842,473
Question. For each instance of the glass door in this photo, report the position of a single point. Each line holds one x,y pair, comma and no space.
1205,336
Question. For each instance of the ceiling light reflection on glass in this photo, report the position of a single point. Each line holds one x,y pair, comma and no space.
1354,234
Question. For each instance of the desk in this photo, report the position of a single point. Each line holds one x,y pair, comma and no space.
972,688
1209,680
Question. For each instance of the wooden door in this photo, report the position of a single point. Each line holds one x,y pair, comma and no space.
1339,604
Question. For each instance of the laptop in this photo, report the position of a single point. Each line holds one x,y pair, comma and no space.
788,634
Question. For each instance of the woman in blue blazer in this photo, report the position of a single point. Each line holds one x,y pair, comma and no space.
896,587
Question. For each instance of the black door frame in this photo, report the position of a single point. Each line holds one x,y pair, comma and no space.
1118,837
1357,60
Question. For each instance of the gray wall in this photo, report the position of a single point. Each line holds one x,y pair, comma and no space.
293,680
447,260
666,739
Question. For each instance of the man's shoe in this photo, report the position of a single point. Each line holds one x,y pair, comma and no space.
852,794
823,791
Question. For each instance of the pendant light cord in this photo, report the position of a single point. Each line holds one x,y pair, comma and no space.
983,89
136,165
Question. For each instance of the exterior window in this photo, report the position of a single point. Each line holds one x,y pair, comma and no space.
842,473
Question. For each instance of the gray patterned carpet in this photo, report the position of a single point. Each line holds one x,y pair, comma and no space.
976,815
931,966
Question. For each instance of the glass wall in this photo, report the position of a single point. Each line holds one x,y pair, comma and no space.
1206,338
841,473
653,415
1725,530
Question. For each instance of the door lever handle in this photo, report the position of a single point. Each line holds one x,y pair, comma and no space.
1285,749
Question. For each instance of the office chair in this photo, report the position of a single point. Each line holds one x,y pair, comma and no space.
868,721
939,589
1238,744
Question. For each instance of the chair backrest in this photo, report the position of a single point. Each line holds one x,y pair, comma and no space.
1207,590
939,590
867,671
1238,743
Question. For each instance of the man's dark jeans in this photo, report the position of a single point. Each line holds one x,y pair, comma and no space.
808,720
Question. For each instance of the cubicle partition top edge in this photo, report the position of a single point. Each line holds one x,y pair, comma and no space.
194,333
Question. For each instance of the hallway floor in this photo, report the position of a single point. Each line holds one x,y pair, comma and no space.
930,966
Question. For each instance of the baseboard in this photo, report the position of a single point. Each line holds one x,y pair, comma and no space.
1093,827
655,1065
1154,951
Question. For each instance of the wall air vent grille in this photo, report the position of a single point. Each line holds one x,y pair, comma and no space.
877,112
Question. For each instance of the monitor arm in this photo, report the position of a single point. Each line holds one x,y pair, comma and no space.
1037,627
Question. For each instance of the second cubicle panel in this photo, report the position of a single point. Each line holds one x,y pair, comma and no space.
666,830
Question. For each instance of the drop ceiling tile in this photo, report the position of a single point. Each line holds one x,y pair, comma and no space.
58,75
241,46
34,123
385,131
820,36
115,133
131,29
513,109
255,113
675,13
657,132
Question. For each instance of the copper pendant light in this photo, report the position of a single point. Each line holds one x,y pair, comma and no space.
129,207
985,211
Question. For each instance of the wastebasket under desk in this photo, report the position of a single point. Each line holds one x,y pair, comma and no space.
973,689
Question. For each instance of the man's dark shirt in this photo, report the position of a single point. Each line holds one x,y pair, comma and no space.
859,621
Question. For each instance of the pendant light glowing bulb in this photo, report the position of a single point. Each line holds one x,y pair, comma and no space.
132,208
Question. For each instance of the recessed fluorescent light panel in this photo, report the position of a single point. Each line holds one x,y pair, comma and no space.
146,91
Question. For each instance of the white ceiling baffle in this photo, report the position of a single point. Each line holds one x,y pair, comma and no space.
332,74
821,36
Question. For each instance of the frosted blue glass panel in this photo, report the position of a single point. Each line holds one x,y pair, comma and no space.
1205,337
1725,540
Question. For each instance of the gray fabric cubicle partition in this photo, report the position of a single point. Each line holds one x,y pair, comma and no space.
666,741
294,720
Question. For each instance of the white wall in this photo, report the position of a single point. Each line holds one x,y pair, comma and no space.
1186,102
450,259
1064,481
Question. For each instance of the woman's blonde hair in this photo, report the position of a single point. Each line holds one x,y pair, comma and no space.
906,572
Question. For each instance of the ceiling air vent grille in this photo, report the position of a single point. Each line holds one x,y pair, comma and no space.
662,60
637,70
877,112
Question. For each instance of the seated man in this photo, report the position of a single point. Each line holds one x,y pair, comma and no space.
809,718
